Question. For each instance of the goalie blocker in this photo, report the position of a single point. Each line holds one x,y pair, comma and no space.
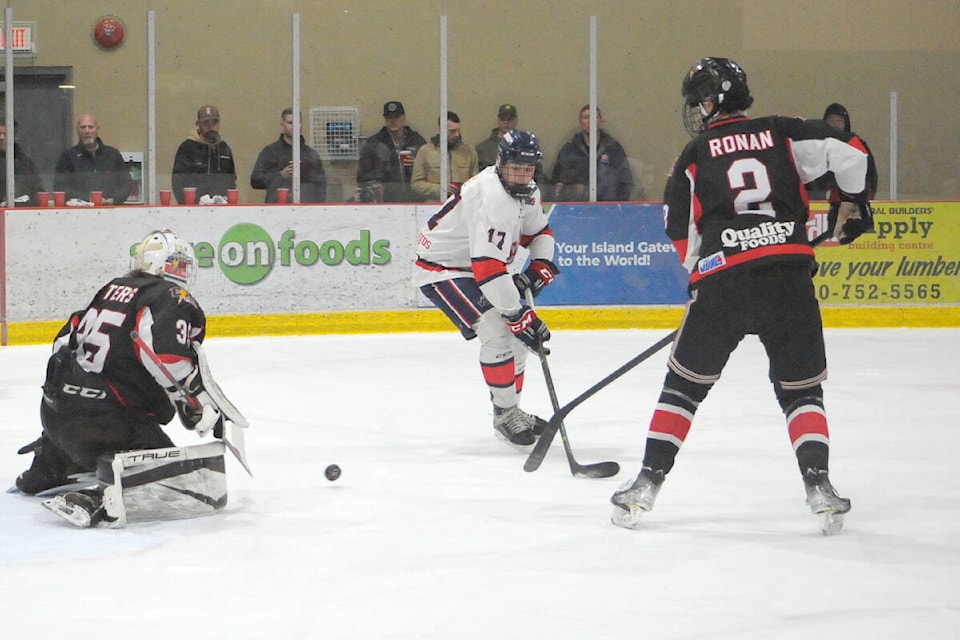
149,484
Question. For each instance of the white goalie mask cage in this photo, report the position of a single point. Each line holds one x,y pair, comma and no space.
163,253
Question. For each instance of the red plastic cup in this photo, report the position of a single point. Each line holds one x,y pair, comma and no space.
43,197
165,195
283,195
406,158
59,198
189,195
96,197
233,196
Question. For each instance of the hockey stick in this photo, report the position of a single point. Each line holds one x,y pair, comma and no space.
539,451
595,470
141,343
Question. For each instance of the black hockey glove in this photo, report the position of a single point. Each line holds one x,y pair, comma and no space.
849,219
528,329
538,275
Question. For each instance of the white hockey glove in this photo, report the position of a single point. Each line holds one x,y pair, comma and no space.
198,412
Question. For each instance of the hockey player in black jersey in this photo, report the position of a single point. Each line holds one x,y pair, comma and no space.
735,209
102,394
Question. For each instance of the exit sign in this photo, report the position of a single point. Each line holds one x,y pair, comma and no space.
21,38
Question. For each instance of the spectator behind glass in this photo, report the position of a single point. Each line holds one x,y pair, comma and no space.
204,160
26,178
92,165
386,160
507,119
425,181
571,171
836,116
274,166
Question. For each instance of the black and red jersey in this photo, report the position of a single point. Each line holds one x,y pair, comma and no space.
736,194
165,315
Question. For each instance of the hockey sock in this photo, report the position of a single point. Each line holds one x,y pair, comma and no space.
501,380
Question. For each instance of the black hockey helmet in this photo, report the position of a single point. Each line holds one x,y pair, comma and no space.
718,79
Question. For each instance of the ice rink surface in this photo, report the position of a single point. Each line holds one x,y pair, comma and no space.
435,532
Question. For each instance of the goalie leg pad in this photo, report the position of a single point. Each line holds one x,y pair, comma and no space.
163,484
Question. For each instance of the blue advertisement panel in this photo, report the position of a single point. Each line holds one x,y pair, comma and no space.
614,254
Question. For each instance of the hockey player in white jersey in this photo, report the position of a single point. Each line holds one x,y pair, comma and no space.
463,255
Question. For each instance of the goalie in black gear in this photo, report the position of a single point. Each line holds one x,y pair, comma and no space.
103,395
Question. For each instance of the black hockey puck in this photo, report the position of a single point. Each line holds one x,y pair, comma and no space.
332,472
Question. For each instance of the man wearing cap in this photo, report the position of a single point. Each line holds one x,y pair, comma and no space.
487,150
386,159
91,165
204,160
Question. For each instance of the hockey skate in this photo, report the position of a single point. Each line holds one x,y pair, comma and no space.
80,508
537,424
50,469
824,502
635,498
514,425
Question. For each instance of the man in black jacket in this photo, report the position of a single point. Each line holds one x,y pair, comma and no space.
386,159
274,167
204,160
26,177
92,165
571,172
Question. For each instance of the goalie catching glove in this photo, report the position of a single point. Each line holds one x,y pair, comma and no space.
850,218
198,411
528,329
538,275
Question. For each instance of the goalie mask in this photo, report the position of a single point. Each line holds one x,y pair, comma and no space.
166,255
517,159
719,81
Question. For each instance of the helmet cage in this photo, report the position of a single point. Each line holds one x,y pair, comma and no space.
719,80
520,147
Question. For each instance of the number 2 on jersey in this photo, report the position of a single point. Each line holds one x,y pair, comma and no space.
751,200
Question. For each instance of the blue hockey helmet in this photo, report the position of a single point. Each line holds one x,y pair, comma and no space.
519,146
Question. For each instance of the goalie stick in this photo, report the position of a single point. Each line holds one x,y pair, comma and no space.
595,470
238,449
539,451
